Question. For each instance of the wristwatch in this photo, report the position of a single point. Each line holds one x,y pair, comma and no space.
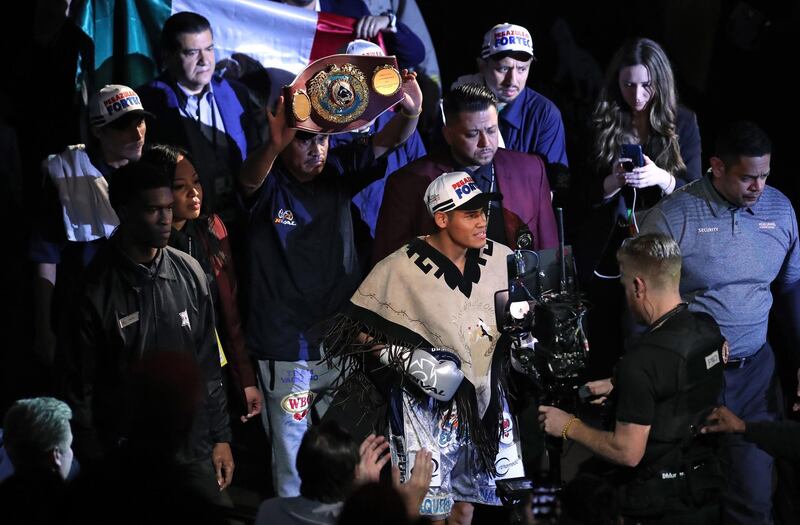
392,20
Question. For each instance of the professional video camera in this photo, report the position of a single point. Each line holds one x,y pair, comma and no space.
516,493
543,311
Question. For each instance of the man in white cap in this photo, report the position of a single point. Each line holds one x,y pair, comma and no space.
75,216
529,122
425,319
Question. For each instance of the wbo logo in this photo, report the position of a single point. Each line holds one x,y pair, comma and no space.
297,404
507,436
285,217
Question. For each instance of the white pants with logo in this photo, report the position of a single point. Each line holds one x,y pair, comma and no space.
455,476
289,389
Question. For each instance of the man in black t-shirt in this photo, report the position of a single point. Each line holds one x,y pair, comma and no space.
665,387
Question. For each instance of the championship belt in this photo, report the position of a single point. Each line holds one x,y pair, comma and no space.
341,93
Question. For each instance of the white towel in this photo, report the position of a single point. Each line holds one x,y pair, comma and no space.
83,192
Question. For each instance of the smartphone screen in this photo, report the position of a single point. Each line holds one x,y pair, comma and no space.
632,153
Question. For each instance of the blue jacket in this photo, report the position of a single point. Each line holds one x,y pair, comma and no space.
302,258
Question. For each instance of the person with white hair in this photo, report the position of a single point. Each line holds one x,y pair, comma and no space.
37,435
38,440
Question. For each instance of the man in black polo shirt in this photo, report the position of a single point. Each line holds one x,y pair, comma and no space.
302,262
666,385
141,299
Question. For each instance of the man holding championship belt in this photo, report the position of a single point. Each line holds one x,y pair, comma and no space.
302,259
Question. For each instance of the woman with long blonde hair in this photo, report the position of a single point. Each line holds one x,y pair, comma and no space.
638,105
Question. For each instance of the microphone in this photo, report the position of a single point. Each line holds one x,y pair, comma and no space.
524,238
561,251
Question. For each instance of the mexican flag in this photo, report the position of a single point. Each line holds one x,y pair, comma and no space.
126,35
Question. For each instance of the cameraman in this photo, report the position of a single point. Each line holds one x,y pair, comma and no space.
666,385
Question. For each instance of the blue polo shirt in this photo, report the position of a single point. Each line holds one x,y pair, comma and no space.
368,201
302,259
532,124
731,256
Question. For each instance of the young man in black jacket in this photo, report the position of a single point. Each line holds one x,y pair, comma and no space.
141,298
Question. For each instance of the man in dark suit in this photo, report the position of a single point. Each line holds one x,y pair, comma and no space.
471,132
209,116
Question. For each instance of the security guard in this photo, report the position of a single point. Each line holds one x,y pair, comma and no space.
665,387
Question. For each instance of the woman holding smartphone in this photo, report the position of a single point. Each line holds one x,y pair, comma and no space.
638,105
205,238
637,108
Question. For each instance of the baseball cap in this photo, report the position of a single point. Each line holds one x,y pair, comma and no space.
507,37
113,102
456,191
364,48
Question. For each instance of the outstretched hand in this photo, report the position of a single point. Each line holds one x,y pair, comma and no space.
374,456
413,491
369,26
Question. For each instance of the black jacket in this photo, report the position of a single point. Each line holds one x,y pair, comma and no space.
129,311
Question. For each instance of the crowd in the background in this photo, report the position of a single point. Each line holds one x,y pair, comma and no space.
200,267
